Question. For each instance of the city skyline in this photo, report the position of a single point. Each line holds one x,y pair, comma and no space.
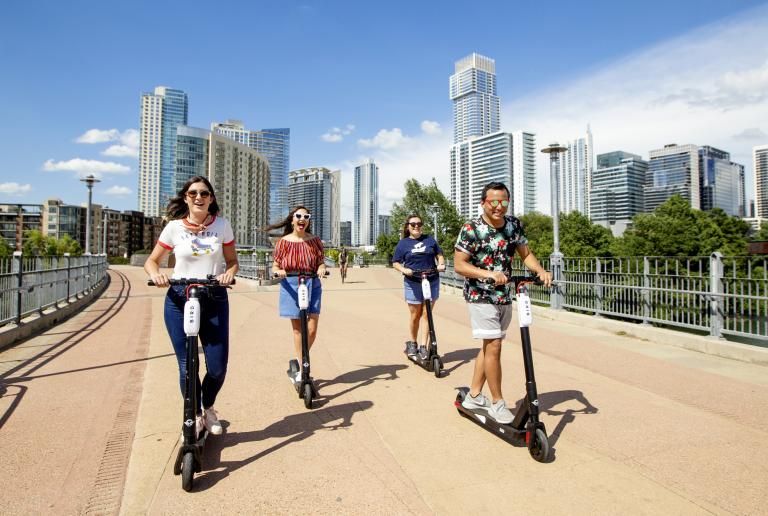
678,80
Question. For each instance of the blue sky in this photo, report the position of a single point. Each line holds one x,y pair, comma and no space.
641,73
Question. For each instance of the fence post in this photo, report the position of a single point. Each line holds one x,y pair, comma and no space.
38,286
556,295
645,292
18,269
598,286
66,256
716,302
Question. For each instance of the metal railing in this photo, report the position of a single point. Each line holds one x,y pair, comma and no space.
33,284
715,294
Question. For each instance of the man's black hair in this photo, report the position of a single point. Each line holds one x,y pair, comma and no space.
494,185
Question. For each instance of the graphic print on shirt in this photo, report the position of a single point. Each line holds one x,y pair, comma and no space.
199,247
419,248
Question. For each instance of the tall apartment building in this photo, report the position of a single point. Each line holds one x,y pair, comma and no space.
275,146
15,219
161,113
481,153
760,166
575,174
721,182
345,233
319,190
239,175
617,190
365,225
672,170
385,224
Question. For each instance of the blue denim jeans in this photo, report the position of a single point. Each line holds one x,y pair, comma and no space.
214,336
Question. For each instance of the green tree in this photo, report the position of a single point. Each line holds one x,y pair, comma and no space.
420,199
538,231
67,244
5,249
580,237
37,244
761,235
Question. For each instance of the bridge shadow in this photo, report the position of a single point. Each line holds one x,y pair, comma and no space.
548,401
293,428
358,378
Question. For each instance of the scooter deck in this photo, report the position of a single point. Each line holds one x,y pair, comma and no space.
480,417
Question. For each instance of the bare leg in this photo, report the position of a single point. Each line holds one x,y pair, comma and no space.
488,367
415,312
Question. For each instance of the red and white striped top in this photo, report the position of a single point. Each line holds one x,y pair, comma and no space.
306,255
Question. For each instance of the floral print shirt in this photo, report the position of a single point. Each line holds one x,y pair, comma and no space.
493,250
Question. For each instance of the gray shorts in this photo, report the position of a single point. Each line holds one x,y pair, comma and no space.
489,321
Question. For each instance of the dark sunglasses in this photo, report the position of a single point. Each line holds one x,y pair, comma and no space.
305,216
202,193
415,224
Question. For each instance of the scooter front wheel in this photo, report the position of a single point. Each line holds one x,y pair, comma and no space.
307,395
539,448
436,367
187,471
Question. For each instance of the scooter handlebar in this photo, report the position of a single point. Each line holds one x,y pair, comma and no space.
422,273
210,281
517,280
304,274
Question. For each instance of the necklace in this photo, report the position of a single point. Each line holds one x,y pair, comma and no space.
195,226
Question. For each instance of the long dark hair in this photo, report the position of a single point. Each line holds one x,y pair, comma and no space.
287,222
178,209
406,230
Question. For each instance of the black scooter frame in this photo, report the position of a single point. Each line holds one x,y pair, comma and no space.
432,362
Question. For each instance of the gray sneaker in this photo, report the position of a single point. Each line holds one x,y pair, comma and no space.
480,402
501,413
410,348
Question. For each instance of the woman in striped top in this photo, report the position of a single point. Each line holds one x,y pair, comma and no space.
299,251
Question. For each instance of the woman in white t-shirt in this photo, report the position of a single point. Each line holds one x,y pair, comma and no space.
203,244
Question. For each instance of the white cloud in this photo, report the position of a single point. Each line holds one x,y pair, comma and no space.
751,134
385,139
118,190
430,127
84,167
121,151
15,188
98,136
336,134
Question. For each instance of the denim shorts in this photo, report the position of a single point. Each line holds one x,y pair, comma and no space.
289,297
413,293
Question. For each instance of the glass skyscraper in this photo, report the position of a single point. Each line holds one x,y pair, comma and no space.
617,190
722,182
476,107
760,162
673,170
575,175
319,190
365,225
161,114
275,146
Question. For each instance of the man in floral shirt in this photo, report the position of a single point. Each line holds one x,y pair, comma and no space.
485,249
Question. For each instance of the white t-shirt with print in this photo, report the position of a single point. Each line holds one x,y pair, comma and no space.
197,254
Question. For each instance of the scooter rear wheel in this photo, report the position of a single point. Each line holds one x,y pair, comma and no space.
307,395
436,367
187,471
540,447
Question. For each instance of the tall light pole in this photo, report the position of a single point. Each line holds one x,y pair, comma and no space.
435,207
89,181
556,259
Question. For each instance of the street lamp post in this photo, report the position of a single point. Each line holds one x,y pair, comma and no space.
435,207
556,258
89,181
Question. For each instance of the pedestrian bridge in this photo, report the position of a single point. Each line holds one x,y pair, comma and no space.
90,415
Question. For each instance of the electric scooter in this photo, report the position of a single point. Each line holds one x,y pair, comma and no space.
189,459
525,427
428,359
305,386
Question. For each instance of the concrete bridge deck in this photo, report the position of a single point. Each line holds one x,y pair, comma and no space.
90,417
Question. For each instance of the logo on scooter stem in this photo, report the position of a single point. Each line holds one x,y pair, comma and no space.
189,422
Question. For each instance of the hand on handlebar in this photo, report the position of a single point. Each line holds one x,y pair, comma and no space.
546,278
279,273
441,267
497,277
323,272
226,279
160,280
407,272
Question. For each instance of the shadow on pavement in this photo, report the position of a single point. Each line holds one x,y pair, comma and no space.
359,377
460,356
295,428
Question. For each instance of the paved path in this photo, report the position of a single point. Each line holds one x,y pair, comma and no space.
89,418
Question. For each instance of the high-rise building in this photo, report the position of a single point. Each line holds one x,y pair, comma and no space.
721,182
275,146
476,107
505,157
575,175
161,113
617,190
239,175
319,190
481,153
345,233
365,225
760,166
673,170
385,224
15,219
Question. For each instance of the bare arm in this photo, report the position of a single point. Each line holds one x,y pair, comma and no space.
462,265
533,264
152,266
230,256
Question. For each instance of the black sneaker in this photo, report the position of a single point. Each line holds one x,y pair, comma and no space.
410,348
423,352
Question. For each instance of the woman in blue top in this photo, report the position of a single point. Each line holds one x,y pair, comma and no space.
417,252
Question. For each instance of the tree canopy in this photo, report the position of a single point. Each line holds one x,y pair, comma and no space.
36,244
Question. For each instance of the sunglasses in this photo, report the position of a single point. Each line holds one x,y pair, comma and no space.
202,193
415,224
495,203
305,216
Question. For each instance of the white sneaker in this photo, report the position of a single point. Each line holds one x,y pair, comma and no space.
501,413
480,402
212,421
297,378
